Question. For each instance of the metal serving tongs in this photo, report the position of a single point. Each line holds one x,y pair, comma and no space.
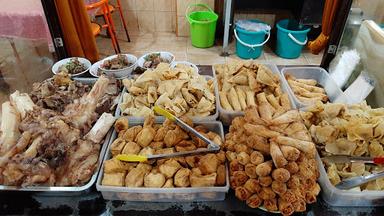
351,159
359,180
212,147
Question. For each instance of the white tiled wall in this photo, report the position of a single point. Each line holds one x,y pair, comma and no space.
144,16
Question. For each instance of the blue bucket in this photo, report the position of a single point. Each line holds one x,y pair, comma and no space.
249,44
291,37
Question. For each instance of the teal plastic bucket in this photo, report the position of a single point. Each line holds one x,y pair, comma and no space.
291,37
249,44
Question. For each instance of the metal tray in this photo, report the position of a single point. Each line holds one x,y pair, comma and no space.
212,117
62,190
164,194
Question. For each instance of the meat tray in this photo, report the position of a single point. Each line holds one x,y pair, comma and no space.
68,190
227,116
161,118
164,194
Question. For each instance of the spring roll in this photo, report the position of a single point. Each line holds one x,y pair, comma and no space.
242,194
308,100
281,175
254,201
285,102
265,109
279,187
290,153
252,185
307,87
271,204
239,79
299,205
273,101
304,146
277,156
264,169
234,99
258,143
288,117
253,84
260,130
267,193
250,98
285,207
224,101
242,97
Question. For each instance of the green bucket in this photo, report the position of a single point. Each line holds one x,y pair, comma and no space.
202,25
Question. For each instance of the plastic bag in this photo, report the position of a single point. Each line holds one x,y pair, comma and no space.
360,88
370,45
343,65
253,26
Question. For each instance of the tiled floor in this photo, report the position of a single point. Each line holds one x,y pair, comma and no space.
183,50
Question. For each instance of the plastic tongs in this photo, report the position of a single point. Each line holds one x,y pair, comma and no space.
212,147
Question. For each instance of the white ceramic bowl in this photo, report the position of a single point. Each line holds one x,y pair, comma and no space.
123,72
175,63
165,55
86,62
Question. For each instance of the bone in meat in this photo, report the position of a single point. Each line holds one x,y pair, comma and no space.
20,146
9,127
82,113
101,128
22,102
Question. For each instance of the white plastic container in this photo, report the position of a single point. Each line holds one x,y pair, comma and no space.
212,117
227,116
164,194
336,197
322,77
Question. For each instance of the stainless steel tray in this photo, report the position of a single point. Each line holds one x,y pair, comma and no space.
72,189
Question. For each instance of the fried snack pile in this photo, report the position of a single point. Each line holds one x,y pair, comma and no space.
179,90
272,161
244,83
356,130
204,170
306,90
